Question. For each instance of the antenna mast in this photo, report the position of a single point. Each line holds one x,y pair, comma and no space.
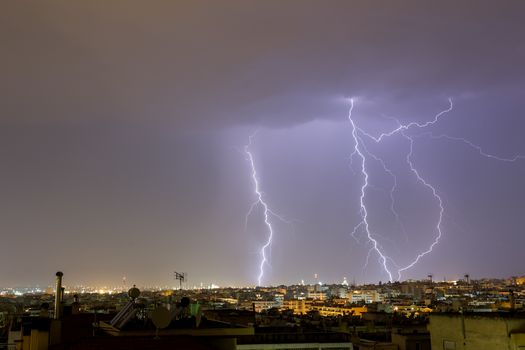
181,276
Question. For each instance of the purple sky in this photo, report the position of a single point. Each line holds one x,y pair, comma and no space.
122,126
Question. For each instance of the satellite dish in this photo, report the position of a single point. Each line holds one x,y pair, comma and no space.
161,317
134,293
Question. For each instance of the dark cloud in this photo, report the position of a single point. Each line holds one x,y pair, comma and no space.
121,121
202,63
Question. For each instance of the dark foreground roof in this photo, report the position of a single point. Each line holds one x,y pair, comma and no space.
136,343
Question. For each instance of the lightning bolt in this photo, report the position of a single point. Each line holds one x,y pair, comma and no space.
436,196
267,212
393,188
402,127
475,147
363,209
362,152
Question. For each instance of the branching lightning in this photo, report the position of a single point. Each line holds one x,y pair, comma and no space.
267,212
361,151
392,188
475,147
363,209
436,196
365,156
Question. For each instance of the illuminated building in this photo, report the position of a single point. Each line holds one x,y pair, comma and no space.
300,307
325,310
368,296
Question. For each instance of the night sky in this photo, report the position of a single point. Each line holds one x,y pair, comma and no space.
122,127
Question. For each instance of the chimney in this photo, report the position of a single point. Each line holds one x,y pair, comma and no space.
58,295
512,300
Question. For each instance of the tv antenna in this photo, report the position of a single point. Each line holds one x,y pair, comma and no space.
181,276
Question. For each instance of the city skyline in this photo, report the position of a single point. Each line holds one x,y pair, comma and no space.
123,129
101,288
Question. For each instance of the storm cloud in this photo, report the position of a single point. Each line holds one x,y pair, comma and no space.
121,124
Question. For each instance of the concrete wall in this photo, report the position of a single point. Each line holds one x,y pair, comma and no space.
473,332
39,340
411,341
